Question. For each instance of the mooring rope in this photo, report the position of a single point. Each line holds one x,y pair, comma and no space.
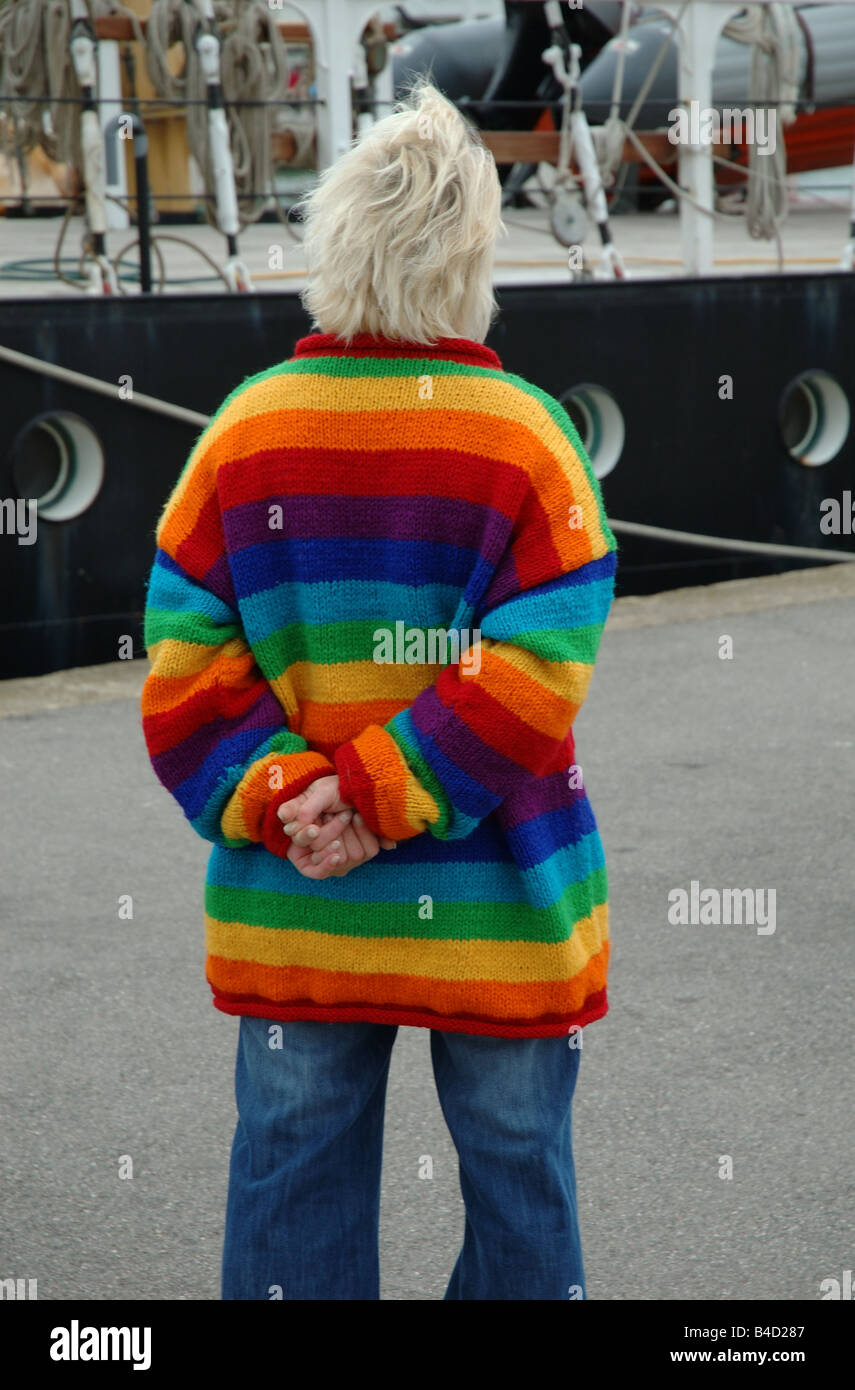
629,528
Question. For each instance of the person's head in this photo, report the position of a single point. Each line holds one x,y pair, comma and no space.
400,233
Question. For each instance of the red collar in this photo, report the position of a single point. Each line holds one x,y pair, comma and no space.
373,345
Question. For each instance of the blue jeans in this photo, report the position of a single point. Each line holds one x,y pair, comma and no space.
304,1181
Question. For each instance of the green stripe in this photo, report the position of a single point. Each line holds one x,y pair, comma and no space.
326,644
551,643
187,627
385,367
424,774
452,921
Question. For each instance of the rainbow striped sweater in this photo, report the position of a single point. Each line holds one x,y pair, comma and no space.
392,562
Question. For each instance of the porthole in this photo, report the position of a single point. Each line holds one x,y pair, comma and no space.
599,421
814,418
58,461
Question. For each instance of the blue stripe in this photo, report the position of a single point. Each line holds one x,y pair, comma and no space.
469,798
386,879
538,611
310,561
204,795
171,591
266,612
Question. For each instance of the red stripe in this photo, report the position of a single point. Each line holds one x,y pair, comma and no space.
165,730
321,472
493,723
357,786
595,1007
205,545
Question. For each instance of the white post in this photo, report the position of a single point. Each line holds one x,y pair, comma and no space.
110,106
336,27
698,33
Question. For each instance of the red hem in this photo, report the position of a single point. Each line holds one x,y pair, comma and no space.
596,1007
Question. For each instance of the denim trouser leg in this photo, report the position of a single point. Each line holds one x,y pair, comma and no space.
304,1181
507,1103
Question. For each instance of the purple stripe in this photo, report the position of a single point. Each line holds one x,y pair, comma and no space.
482,764
504,585
461,523
535,796
176,764
219,581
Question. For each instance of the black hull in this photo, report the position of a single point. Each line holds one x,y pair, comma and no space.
692,461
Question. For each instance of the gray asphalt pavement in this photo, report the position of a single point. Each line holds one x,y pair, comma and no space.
721,1041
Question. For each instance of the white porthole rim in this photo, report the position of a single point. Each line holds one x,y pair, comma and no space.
828,417
80,471
604,432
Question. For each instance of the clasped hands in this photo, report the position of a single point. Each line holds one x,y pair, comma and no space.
328,835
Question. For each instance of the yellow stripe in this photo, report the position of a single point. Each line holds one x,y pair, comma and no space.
364,681
172,657
348,394
513,962
567,679
559,445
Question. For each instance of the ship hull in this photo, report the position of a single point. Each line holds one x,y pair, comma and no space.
699,455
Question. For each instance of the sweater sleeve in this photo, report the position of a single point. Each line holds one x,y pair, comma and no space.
452,756
216,731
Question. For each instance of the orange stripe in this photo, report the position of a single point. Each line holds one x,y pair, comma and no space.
328,723
498,1000
524,696
186,504
245,812
164,693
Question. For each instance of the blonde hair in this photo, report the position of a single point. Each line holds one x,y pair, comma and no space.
400,232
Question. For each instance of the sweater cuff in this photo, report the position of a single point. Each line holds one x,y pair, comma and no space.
273,780
312,766
375,778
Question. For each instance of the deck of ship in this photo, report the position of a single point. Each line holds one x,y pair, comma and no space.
813,237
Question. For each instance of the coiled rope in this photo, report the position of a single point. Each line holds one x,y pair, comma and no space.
37,75
36,66
254,67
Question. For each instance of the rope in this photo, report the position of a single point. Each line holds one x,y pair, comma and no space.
664,533
38,80
254,67
774,33
37,76
630,528
102,388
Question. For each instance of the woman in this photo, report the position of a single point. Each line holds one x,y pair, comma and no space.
379,591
